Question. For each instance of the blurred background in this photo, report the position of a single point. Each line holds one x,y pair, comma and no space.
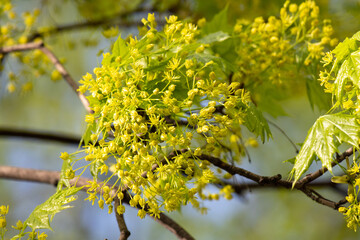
53,107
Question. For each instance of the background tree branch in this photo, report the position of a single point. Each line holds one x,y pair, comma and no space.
57,64
40,135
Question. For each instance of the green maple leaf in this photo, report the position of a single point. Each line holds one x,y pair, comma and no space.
345,48
218,23
43,214
328,132
349,71
256,123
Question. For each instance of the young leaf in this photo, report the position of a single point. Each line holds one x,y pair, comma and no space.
214,37
206,57
86,137
120,48
346,47
44,213
63,180
321,141
256,123
218,23
94,168
349,70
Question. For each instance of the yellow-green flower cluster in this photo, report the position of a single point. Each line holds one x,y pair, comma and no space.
36,235
352,212
3,212
159,103
339,76
271,49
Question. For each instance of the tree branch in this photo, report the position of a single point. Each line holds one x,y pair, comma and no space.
241,187
124,232
21,47
311,177
80,25
173,227
66,76
53,177
55,61
117,19
40,135
270,181
320,199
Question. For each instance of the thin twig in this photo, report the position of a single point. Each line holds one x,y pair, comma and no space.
55,61
66,76
285,135
124,232
318,198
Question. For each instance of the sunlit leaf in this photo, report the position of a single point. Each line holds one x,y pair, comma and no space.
95,168
349,71
120,49
44,213
328,132
214,37
63,180
346,47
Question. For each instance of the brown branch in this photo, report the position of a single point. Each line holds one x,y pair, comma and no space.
55,61
173,227
117,19
320,199
270,181
40,135
311,177
241,187
66,76
124,232
308,190
21,47
81,25
53,177
236,170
